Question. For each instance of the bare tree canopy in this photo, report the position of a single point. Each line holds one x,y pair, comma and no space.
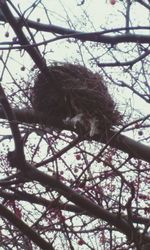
75,124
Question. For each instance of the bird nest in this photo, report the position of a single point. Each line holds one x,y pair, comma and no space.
74,91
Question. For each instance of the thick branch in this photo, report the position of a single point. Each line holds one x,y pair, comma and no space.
83,36
17,27
10,115
121,142
87,205
144,4
133,148
38,26
26,230
23,196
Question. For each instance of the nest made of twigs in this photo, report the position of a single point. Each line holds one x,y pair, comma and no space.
72,89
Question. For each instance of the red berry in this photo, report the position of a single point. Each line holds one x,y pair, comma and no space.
81,242
78,157
113,1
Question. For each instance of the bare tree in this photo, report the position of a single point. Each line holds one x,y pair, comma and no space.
60,188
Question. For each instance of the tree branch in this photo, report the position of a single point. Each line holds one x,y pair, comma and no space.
83,36
24,196
87,205
10,116
26,230
128,63
17,27
144,4
121,142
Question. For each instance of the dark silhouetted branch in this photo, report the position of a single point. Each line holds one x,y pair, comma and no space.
26,230
121,142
